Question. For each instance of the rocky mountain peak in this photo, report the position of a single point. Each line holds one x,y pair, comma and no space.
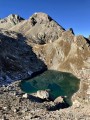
41,17
10,21
15,18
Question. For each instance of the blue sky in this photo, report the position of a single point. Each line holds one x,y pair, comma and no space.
68,13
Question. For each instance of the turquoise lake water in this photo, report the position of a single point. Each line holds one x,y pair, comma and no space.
59,83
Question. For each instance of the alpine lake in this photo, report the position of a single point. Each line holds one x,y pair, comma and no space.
59,84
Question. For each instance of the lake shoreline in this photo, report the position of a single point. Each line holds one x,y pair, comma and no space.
13,106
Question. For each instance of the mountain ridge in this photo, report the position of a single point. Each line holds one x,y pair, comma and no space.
38,27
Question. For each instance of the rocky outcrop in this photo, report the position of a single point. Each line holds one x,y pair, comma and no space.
59,100
10,21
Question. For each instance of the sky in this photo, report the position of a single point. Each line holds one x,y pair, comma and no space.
68,13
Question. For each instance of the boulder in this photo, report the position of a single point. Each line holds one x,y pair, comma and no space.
43,94
59,99
25,95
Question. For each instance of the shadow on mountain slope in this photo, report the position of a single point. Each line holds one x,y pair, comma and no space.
17,59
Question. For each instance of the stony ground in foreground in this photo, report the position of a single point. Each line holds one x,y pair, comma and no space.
14,106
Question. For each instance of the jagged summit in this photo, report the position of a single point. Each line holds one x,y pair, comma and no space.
10,21
41,17
15,18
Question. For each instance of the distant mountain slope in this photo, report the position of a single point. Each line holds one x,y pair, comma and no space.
10,21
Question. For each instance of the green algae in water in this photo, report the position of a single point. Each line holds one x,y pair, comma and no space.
59,83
